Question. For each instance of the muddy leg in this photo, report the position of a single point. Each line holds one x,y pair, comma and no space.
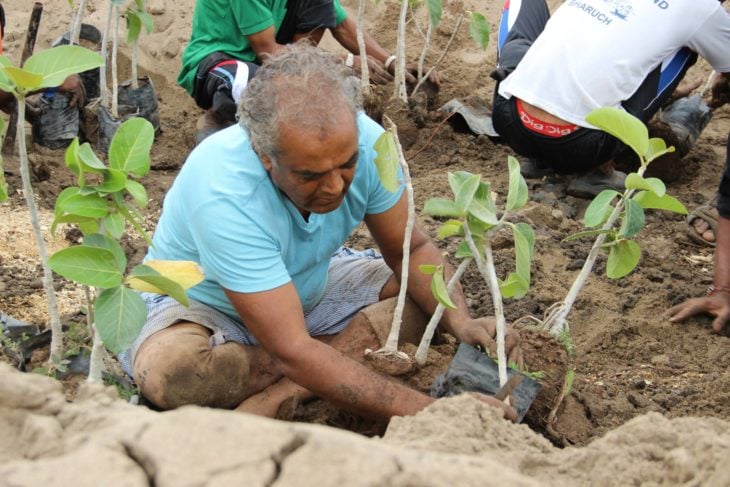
177,366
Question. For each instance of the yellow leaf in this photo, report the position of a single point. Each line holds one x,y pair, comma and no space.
184,272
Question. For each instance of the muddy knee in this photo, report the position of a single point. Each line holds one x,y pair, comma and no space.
178,366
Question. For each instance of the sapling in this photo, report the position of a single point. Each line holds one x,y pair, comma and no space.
364,69
99,206
137,18
474,217
390,157
42,70
75,30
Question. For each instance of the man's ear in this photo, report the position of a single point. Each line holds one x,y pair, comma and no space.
265,160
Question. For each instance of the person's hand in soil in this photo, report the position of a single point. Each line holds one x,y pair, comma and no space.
720,91
378,74
717,305
685,89
482,332
508,412
74,87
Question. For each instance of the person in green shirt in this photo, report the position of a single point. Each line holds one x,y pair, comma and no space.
230,39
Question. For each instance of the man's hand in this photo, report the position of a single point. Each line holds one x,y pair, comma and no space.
717,305
378,74
482,332
720,91
508,412
412,73
74,87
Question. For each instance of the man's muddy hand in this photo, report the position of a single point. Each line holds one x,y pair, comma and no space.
378,74
717,305
482,332
720,91
74,87
508,412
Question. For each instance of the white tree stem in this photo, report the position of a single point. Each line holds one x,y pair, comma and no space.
422,351
400,55
76,26
96,361
115,80
489,274
391,344
424,51
422,79
55,320
364,69
103,70
135,76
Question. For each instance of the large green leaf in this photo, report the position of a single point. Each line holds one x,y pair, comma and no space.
622,258
434,11
138,193
649,200
114,180
633,219
485,213
114,225
517,196
655,185
130,147
467,190
479,29
524,238
91,205
71,157
600,208
5,83
449,229
657,148
103,242
386,161
91,266
86,225
159,283
622,125
438,288
442,207
57,63
25,81
89,161
120,314
514,286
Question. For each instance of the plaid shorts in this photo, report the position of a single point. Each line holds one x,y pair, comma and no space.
354,280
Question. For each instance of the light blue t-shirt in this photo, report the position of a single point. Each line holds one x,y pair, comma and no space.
224,212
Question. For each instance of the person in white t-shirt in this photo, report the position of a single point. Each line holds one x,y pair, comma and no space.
553,71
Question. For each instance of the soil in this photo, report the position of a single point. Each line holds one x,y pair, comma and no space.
629,360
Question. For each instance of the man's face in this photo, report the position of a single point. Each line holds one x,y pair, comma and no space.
315,172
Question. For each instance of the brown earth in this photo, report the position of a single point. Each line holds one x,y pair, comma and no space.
629,360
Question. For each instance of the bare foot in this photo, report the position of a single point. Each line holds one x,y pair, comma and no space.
703,228
275,400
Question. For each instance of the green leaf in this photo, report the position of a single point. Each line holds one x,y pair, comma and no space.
134,25
524,246
428,269
622,258
434,11
456,179
91,266
484,213
114,225
517,196
81,221
657,148
147,21
467,190
138,192
130,147
514,286
438,288
479,29
62,198
633,219
622,125
600,208
463,251
71,157
655,185
162,284
88,159
649,200
114,180
120,314
103,242
449,229
25,81
442,207
57,63
386,162
92,205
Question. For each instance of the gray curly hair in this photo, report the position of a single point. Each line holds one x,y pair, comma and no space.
299,86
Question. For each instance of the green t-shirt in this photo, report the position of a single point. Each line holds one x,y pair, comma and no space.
222,26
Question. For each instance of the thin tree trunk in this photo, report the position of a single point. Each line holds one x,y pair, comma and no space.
76,27
105,55
364,69
96,361
400,56
55,320
135,80
115,80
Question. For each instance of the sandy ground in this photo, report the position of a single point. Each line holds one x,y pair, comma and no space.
650,398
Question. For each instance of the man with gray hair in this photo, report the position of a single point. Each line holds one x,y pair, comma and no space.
264,207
